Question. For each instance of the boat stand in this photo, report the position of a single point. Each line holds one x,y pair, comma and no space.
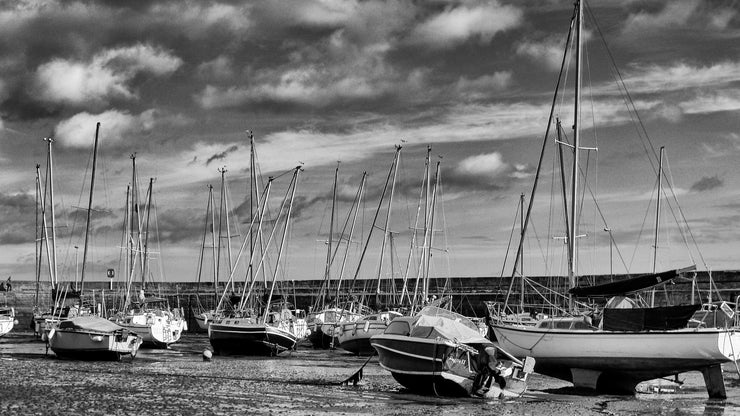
714,381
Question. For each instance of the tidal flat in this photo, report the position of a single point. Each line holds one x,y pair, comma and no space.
176,381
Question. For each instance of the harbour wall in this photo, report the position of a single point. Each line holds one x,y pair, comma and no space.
468,293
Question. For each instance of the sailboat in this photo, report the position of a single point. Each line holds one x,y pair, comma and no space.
146,315
90,337
612,349
7,317
259,326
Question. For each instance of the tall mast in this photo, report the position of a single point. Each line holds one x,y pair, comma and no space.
356,206
212,204
573,260
54,279
521,252
657,220
327,270
282,242
145,256
89,209
388,218
220,227
39,235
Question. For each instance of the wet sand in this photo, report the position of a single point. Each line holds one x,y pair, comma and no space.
177,381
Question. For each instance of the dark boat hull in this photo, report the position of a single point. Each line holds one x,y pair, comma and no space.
427,366
234,337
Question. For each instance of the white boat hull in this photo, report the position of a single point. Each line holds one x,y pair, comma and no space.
6,324
617,361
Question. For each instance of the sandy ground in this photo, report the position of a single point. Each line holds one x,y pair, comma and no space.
178,382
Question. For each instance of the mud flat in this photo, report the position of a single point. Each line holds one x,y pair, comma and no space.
178,382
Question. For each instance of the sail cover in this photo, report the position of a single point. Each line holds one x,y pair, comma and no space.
629,286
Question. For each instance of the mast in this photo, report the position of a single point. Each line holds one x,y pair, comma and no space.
356,206
433,204
282,243
212,204
39,238
145,258
521,252
220,227
388,218
89,209
327,271
54,279
657,221
572,231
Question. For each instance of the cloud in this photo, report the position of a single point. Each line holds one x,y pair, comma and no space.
549,52
108,75
707,183
674,14
18,225
221,68
712,102
680,76
483,86
457,25
487,171
115,127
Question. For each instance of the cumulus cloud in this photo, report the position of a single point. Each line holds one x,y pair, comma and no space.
115,126
108,75
484,171
457,25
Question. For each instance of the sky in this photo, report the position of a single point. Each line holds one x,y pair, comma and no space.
327,83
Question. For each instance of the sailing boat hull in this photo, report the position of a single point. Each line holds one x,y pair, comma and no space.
241,337
616,361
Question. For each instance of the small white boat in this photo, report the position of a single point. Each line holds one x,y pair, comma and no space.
155,323
7,320
93,338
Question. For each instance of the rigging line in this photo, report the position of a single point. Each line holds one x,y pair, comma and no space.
511,237
685,222
644,221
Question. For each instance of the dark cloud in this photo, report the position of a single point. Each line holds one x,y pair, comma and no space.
707,183
180,225
18,219
221,155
